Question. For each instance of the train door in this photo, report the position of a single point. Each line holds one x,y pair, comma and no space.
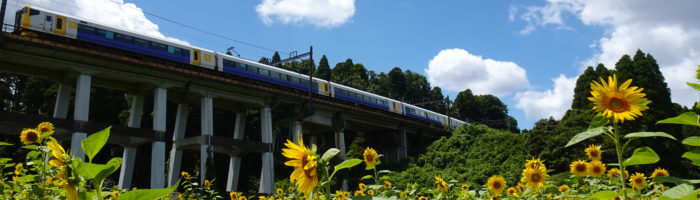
323,88
60,25
196,54
48,24
396,107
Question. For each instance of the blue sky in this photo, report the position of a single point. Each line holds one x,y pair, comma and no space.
528,53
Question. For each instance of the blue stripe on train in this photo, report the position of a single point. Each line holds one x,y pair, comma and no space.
132,47
423,118
234,70
357,100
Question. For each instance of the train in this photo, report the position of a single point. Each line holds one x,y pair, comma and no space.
51,22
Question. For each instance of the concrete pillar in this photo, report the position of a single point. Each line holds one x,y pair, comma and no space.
338,124
234,164
129,157
81,112
60,109
160,99
267,172
296,131
183,111
402,150
207,128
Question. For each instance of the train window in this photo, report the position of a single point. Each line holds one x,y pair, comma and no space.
288,77
229,63
196,55
159,46
251,68
124,38
241,66
171,49
109,34
48,18
86,29
59,23
274,74
100,32
34,12
184,52
140,42
263,71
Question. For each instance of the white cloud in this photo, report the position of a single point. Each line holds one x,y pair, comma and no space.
457,70
549,103
113,13
323,13
668,30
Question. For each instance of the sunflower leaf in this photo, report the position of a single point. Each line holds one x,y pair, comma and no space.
329,154
694,86
598,121
687,118
94,143
693,156
649,134
675,180
5,144
692,141
347,164
642,156
679,191
366,177
147,194
608,194
587,134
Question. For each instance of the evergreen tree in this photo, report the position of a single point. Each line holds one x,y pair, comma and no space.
324,70
276,58
583,86
397,83
264,60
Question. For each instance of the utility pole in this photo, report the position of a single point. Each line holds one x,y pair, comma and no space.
2,15
308,109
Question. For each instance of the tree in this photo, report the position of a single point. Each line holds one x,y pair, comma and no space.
276,59
264,60
397,83
324,70
484,109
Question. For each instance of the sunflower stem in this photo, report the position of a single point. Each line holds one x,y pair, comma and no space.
619,150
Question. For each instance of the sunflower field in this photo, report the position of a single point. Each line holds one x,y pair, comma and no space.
500,166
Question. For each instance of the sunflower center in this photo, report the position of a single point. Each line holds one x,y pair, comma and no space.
638,181
580,168
535,178
309,165
617,104
596,169
496,185
32,136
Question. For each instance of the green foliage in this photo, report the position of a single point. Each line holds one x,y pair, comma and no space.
470,154
147,194
642,156
94,143
324,70
484,109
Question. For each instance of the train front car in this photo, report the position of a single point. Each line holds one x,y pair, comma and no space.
45,21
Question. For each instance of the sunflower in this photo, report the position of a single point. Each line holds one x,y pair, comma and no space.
403,195
359,193
305,175
615,172
512,191
57,152
279,191
619,103
441,184
596,168
520,187
496,184
422,198
534,163
387,184
659,172
29,136
341,195
371,158
370,192
535,177
207,184
45,127
564,188
593,152
638,181
361,186
18,169
579,168
185,175
242,198
115,194
233,195
464,186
